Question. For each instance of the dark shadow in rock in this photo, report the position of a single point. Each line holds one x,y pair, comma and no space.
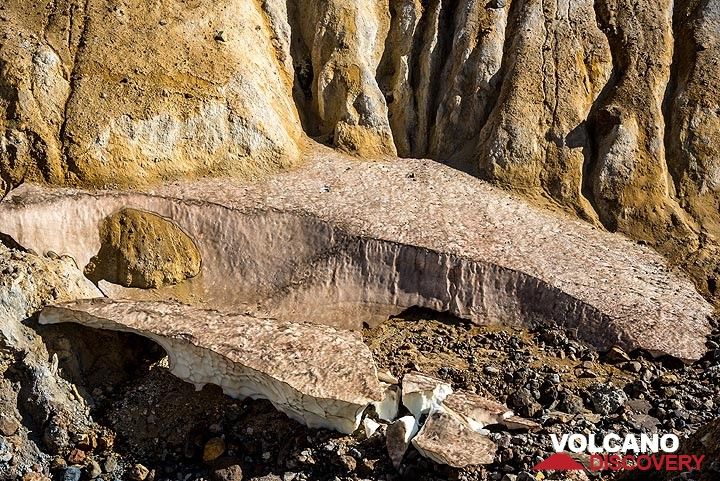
416,313
97,361
304,75
11,243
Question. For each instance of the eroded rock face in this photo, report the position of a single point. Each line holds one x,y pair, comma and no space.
692,128
557,63
28,282
336,49
317,375
132,93
606,109
293,247
144,250
36,403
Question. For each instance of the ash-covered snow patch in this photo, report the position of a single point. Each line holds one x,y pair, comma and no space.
293,247
317,375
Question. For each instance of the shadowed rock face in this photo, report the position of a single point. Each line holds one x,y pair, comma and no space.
317,375
607,109
294,248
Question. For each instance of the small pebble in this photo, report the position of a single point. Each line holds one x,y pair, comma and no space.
214,448
72,473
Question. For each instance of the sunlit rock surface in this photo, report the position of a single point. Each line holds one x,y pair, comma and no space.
144,250
30,281
140,92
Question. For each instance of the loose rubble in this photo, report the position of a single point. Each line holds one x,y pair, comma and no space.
499,363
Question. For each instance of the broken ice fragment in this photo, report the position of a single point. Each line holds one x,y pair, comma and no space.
420,393
370,427
446,439
388,408
398,437
477,411
516,423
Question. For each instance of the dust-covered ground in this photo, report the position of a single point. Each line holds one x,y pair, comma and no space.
152,426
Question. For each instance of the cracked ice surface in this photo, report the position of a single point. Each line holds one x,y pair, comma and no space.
317,375
421,393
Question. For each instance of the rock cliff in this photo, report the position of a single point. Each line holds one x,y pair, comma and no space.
605,109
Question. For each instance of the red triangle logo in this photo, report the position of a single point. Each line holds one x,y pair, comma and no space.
559,462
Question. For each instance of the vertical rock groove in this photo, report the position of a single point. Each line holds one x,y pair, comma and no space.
692,113
79,23
468,82
398,70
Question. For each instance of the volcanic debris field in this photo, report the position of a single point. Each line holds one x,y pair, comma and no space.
151,425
